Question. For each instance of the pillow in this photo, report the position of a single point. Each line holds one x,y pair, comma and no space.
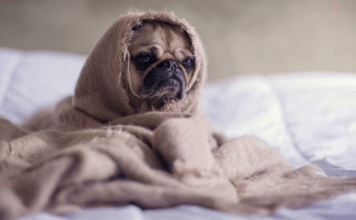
31,80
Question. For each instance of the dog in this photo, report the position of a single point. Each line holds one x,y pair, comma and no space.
161,65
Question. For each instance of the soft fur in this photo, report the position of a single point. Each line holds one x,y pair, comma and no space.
112,143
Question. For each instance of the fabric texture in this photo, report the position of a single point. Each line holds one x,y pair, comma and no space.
92,149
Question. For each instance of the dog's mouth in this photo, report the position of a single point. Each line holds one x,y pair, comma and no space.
163,83
170,88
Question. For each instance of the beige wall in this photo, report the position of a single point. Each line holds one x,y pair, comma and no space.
240,36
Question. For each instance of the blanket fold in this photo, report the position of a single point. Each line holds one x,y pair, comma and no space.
95,149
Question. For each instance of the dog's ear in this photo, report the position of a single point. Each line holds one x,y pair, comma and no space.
136,27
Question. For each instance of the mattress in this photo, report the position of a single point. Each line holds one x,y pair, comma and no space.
310,117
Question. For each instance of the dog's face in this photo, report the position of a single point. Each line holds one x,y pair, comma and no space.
161,63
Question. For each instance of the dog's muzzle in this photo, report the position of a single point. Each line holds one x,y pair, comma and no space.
165,81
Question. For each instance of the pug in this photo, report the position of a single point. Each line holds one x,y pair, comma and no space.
161,65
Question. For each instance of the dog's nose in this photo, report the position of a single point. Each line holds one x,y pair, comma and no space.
170,64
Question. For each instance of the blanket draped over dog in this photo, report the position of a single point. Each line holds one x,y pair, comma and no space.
95,149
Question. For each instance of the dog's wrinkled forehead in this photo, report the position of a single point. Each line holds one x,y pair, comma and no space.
164,37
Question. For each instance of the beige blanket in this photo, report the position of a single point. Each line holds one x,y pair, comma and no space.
95,149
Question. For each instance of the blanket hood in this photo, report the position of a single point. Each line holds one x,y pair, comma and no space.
103,86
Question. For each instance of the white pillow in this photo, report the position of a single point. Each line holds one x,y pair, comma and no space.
30,80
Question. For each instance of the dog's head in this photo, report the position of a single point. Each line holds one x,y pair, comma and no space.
144,62
161,63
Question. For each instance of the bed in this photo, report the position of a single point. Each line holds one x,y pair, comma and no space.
309,116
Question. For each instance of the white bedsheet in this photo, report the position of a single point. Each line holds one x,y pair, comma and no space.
310,117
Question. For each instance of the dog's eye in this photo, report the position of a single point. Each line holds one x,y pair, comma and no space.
188,63
143,60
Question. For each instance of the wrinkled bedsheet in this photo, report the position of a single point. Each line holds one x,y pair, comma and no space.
310,117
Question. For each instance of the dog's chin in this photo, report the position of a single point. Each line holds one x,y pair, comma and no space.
169,89
163,92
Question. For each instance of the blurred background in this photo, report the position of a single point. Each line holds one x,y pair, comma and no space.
240,36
